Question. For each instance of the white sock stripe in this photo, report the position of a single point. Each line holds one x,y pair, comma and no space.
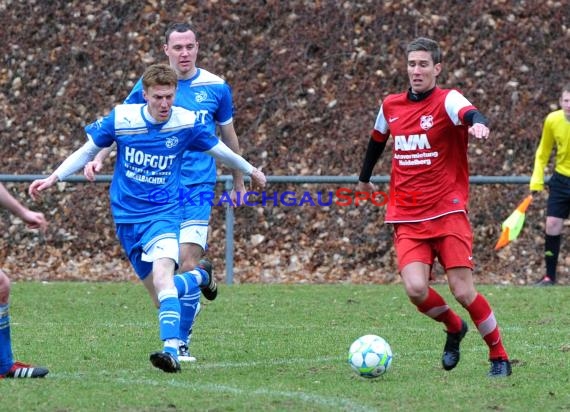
198,275
488,325
168,293
171,343
4,311
183,278
169,314
4,319
438,310
191,297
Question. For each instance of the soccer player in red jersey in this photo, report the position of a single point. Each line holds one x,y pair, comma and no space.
10,368
430,128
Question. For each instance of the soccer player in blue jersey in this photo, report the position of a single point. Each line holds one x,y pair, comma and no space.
8,367
210,98
151,139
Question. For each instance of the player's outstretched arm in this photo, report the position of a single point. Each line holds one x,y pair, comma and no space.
93,167
72,164
230,139
238,187
39,185
479,131
224,154
34,220
258,179
477,124
374,149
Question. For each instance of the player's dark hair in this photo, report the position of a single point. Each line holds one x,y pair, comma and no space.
425,44
159,75
566,88
178,27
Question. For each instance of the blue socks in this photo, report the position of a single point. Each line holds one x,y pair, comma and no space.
6,356
169,320
189,293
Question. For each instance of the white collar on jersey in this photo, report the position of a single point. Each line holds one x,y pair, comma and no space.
148,116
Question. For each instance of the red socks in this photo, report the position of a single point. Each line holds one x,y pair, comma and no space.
435,307
484,318
481,313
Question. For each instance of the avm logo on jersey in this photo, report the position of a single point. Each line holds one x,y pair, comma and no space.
342,197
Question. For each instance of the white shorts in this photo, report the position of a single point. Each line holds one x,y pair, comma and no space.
162,248
197,233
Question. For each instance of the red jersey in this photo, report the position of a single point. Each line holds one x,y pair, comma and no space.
430,173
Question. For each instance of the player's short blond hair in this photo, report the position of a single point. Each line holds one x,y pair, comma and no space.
159,75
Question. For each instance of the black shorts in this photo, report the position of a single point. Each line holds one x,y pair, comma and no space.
559,196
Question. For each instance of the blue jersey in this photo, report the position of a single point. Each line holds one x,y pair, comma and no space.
146,179
210,98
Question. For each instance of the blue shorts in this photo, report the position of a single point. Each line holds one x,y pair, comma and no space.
558,204
196,202
145,242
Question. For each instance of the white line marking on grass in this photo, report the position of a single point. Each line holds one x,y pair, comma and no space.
264,362
329,402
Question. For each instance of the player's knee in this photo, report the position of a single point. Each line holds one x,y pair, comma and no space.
553,229
416,292
554,226
4,288
465,296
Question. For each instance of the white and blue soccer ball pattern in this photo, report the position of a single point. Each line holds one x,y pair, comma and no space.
370,356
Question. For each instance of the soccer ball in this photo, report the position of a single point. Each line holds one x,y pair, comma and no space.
370,356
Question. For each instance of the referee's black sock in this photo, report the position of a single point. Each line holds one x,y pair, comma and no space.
551,252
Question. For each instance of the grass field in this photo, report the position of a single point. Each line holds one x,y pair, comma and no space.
281,348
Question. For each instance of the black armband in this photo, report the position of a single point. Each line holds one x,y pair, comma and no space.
475,116
373,153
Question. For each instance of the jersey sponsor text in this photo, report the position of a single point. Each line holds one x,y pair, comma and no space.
411,142
140,158
153,180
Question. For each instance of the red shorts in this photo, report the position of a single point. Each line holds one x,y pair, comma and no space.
449,238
